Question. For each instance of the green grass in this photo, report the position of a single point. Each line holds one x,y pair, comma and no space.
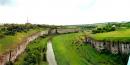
91,57
34,48
65,55
121,35
10,42
68,53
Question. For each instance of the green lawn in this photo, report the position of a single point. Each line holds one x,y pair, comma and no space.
121,35
34,54
68,53
9,42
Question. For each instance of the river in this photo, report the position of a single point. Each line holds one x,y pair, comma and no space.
50,54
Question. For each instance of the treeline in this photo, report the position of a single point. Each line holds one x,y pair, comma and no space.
87,27
111,27
11,29
104,29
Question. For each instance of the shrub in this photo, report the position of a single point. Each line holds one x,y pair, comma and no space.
9,63
1,36
10,33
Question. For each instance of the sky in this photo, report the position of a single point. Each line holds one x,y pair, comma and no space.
64,12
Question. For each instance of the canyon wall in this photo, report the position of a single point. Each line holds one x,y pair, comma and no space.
14,53
113,47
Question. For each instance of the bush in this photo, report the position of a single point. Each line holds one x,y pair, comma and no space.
9,63
10,33
104,29
1,36
35,53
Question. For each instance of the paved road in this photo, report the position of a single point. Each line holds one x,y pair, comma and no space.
50,54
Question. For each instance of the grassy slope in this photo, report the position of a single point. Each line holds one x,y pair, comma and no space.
9,42
39,43
69,54
122,35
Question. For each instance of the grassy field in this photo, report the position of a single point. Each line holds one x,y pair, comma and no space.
34,54
9,42
121,35
69,53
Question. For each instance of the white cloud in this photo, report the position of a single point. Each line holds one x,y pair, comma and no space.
66,11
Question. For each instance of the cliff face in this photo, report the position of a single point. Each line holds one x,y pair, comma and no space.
113,47
14,53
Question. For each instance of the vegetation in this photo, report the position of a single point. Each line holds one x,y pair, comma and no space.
35,53
12,29
9,42
107,28
120,35
69,49
87,27
104,29
70,52
13,34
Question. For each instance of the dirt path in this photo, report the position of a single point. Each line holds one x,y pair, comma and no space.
50,54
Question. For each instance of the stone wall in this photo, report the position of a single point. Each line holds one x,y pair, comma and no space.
67,30
114,47
62,31
14,53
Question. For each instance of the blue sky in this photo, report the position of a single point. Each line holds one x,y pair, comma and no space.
66,12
